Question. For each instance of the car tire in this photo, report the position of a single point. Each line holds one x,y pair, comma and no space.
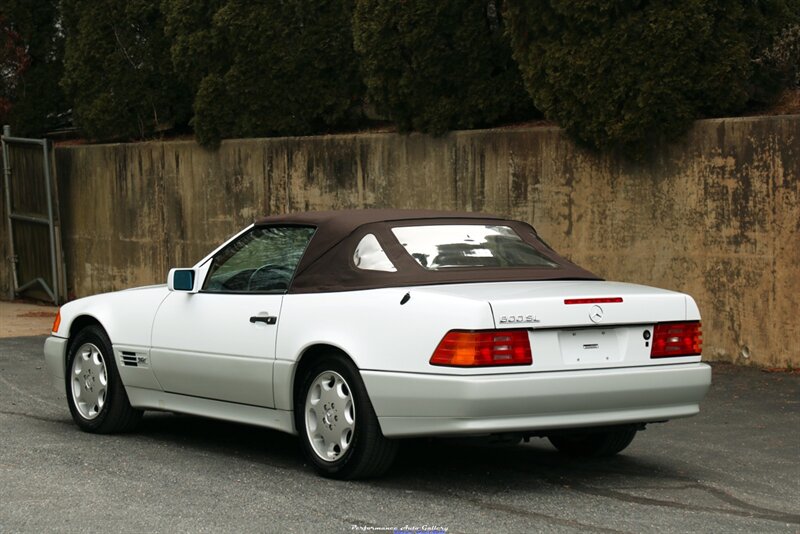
594,444
341,441
95,394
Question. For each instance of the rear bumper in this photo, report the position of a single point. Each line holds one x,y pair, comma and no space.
409,404
55,350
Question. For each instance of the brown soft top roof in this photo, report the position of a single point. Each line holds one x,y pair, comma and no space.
327,263
352,219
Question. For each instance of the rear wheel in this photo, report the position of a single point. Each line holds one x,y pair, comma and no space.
594,444
338,428
95,394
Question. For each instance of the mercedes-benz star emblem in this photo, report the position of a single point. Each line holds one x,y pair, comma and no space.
596,314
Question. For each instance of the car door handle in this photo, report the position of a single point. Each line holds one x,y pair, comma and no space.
266,319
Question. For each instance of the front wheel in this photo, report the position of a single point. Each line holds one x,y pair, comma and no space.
594,443
338,428
95,394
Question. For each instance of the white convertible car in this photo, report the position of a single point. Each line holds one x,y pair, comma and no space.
354,329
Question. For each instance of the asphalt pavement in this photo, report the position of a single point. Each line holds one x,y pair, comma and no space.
733,468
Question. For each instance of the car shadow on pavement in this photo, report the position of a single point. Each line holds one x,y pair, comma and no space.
256,444
531,464
419,461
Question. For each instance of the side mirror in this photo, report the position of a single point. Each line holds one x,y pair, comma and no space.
182,280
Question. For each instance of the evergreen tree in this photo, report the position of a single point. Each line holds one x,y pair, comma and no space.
436,66
266,68
118,72
622,74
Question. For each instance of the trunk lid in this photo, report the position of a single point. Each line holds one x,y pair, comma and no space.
543,305
590,333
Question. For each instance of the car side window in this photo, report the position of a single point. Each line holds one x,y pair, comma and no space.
369,255
261,261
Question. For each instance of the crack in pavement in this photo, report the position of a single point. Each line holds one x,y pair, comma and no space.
718,493
755,511
745,509
583,527
507,508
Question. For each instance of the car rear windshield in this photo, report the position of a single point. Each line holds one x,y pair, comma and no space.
438,247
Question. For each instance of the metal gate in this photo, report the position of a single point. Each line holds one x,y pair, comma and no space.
31,207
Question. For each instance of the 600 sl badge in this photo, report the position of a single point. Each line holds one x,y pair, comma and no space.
506,319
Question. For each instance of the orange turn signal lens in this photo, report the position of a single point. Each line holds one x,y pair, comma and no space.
57,321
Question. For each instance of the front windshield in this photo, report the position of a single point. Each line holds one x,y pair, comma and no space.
262,260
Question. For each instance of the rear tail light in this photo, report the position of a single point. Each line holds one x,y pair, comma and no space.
483,348
676,339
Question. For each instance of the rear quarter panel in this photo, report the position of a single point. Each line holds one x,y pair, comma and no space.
374,329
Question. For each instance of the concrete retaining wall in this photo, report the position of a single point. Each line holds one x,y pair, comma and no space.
716,215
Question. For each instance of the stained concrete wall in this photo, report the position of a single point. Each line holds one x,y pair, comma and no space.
716,215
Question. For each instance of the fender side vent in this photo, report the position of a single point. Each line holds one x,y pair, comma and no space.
129,359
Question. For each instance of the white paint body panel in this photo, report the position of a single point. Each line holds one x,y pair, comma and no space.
239,413
380,334
374,329
204,345
55,349
127,317
202,355
419,404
